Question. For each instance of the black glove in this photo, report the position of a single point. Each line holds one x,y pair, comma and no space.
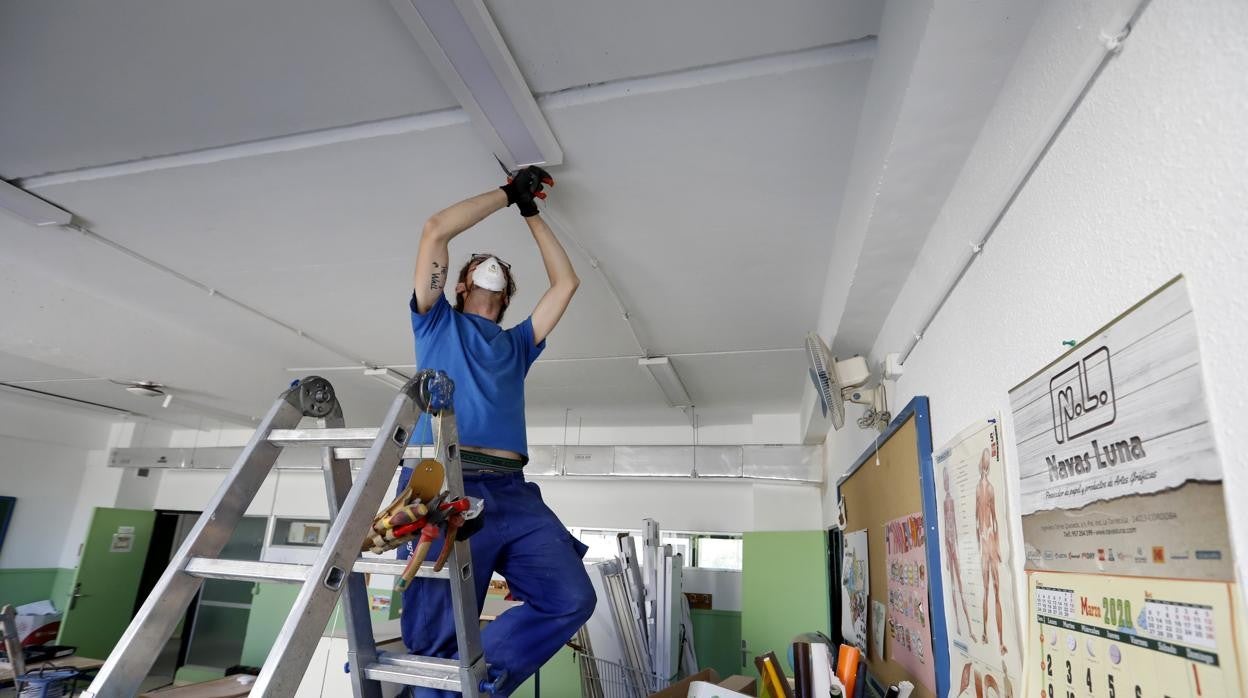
525,186
471,526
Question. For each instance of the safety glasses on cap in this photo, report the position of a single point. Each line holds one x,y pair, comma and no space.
482,256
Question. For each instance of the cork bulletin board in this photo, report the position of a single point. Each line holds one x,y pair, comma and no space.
891,479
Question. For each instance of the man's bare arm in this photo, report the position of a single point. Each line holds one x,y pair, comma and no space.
432,257
563,279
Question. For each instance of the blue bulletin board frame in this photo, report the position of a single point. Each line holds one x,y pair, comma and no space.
919,408
7,505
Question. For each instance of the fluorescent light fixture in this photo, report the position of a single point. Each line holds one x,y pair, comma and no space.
665,375
464,45
31,208
388,376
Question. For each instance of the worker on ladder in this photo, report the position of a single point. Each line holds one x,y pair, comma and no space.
522,539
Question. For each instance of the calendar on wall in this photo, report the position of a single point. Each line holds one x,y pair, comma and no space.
1131,637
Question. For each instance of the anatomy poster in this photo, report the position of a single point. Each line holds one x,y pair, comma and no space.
855,584
973,505
1122,413
1129,637
909,626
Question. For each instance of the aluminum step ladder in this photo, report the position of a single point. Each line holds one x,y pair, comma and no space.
338,569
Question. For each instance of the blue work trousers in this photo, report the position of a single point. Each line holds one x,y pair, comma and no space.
525,542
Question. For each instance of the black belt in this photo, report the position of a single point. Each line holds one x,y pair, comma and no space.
474,462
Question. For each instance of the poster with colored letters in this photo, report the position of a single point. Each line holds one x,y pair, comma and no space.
909,635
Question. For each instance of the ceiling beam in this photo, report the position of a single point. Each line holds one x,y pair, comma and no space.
935,80
465,47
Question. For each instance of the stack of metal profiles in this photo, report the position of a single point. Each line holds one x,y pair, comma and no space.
640,638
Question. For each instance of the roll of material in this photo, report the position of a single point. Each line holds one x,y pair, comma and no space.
824,677
847,667
803,670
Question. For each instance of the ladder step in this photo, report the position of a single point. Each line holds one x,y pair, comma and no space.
361,437
412,670
257,571
348,444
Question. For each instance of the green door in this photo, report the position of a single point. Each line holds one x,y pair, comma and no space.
784,592
107,580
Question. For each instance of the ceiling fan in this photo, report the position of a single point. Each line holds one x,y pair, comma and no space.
151,388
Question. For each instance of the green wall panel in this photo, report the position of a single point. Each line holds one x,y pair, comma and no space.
717,640
269,608
24,585
784,591
561,676
62,586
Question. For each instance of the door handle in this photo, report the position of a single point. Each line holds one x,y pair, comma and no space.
77,594
745,653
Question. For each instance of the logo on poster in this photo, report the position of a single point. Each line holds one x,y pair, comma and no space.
1082,400
1082,397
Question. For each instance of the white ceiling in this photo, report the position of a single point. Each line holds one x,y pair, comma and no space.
708,183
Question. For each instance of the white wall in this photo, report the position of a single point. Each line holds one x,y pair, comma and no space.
44,450
702,505
780,428
685,505
1148,180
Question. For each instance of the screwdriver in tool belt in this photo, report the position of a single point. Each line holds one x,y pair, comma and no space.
427,536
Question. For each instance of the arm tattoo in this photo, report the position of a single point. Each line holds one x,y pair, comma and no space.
437,280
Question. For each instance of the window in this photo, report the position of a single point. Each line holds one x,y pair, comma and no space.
602,544
299,532
707,550
719,552
681,543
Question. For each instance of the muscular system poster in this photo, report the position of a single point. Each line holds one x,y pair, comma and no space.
974,513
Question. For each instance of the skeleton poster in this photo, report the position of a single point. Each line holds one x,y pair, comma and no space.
855,586
973,506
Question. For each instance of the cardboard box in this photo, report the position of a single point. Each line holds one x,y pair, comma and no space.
702,689
38,623
700,601
680,689
740,684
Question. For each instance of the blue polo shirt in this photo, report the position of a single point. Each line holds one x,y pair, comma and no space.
488,365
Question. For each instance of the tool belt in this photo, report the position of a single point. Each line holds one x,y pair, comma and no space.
422,511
